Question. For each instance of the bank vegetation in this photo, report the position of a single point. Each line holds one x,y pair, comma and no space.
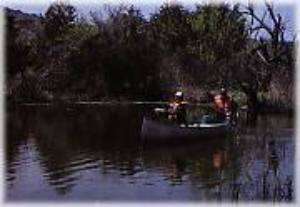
117,53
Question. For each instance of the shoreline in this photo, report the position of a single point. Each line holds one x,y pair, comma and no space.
242,108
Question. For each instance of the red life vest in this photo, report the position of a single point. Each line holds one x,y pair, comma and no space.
222,103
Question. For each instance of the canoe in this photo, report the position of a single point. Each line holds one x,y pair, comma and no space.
159,131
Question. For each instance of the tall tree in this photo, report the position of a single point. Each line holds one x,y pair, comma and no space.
123,60
266,55
58,18
219,32
18,56
171,27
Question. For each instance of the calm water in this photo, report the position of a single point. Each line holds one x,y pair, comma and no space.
94,153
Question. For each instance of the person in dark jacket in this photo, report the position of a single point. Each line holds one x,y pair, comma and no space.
177,108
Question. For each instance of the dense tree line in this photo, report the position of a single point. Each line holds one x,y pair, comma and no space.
120,54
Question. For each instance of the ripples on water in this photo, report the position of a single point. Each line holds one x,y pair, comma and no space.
95,153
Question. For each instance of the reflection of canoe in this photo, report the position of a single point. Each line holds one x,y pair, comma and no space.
156,130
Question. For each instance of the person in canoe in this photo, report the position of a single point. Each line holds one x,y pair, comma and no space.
224,106
177,108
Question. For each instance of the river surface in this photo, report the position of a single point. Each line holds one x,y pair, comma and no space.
94,153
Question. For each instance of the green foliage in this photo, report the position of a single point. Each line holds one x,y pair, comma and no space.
122,58
120,53
58,18
171,27
14,49
220,32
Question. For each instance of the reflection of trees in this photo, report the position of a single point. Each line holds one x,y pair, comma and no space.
264,147
203,162
267,122
17,129
56,149
175,170
218,177
274,186
70,140
213,167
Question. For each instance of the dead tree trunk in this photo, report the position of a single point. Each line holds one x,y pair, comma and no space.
268,52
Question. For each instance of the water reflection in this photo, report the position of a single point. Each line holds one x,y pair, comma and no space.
95,153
